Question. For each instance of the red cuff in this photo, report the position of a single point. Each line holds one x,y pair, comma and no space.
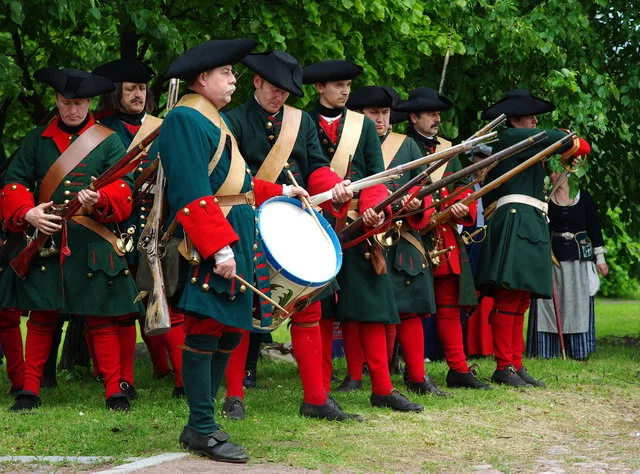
579,147
16,201
321,180
206,226
422,219
114,204
264,190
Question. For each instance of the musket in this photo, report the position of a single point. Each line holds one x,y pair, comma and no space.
448,213
489,161
24,260
157,317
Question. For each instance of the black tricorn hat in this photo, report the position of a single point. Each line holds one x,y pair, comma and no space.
125,70
74,83
372,96
331,70
279,68
209,55
518,103
424,99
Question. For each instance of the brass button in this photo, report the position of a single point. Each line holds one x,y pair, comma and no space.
140,169
143,208
332,170
186,211
544,214
424,266
126,272
43,268
205,287
202,203
256,219
215,199
129,199
243,288
325,141
407,283
143,217
255,259
367,255
271,138
123,185
14,187
255,246
142,225
286,166
248,171
67,193
110,283
194,280
253,185
269,125
66,201
331,150
231,297
89,275
513,211
67,182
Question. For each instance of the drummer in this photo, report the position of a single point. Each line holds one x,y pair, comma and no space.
275,139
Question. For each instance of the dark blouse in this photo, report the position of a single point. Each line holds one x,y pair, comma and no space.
580,218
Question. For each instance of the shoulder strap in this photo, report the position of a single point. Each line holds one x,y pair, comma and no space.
353,123
442,145
274,162
235,177
77,151
149,125
390,147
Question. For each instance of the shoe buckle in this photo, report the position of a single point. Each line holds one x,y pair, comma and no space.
124,386
218,436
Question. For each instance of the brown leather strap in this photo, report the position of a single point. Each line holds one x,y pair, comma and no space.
276,159
415,242
236,199
149,124
66,162
442,145
101,230
390,147
351,131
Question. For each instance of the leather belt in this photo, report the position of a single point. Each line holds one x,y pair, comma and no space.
567,235
523,199
236,199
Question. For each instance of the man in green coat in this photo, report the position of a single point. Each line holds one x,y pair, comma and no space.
453,279
515,258
56,163
212,195
264,129
127,111
365,300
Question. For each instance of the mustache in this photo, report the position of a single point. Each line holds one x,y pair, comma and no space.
231,90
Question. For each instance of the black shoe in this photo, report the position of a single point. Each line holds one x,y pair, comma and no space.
118,402
509,376
466,380
26,401
349,385
524,375
178,392
233,408
396,401
215,446
128,389
48,382
426,387
329,411
250,379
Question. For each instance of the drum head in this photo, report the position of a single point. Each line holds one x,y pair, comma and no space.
296,245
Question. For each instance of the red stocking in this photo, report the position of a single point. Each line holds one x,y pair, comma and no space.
411,339
374,345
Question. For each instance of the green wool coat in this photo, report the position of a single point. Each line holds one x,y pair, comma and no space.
186,143
409,270
516,253
140,212
96,281
364,296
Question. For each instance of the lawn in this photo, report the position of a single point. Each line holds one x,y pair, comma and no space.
588,418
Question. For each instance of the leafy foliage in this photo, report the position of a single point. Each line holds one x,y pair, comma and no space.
583,55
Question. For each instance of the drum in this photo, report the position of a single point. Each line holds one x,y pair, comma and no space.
302,257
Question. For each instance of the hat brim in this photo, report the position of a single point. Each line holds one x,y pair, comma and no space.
270,69
74,83
125,70
518,107
422,105
330,71
209,55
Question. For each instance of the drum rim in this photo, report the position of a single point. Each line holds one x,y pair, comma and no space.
283,271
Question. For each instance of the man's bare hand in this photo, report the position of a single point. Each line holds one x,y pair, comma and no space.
603,269
413,205
459,210
48,224
298,192
372,218
226,269
341,193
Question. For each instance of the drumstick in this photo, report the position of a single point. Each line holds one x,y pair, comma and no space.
260,293
308,204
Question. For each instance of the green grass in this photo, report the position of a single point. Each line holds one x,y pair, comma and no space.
591,409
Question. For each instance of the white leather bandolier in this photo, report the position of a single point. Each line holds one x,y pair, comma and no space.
523,199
